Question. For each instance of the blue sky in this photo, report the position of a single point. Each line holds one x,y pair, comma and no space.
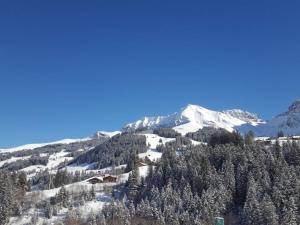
69,68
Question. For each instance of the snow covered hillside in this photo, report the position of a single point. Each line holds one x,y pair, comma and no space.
287,122
97,135
39,145
194,117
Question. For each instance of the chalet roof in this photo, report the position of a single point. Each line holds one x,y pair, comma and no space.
108,175
97,178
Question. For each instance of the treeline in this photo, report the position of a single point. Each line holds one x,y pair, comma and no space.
45,180
51,149
114,152
178,144
246,184
64,199
166,132
13,187
23,163
204,134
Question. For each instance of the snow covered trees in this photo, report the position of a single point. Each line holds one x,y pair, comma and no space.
246,183
12,190
115,151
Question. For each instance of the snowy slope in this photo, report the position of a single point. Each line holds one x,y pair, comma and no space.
106,134
98,134
288,122
245,116
33,146
153,141
194,117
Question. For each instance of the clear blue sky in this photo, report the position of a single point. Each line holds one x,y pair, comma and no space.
69,68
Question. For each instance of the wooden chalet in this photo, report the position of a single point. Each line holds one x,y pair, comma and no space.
110,179
95,180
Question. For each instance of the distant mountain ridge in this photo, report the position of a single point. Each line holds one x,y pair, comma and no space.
288,122
193,117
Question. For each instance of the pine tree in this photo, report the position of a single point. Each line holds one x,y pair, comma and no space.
5,198
252,211
92,193
289,212
133,183
268,210
48,210
249,138
63,197
101,219
92,219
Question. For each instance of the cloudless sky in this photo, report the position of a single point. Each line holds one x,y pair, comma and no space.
70,68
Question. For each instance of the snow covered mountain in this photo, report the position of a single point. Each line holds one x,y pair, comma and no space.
288,122
109,134
194,117
248,117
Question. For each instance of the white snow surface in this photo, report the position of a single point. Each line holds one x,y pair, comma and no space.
33,146
106,133
288,122
153,141
194,117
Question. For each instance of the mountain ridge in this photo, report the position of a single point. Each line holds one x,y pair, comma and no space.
194,117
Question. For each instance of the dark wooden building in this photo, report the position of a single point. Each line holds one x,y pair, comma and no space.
110,179
95,180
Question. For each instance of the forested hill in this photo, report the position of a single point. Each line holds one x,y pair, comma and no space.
248,184
114,152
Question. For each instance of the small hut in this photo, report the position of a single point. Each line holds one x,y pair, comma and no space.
95,180
110,179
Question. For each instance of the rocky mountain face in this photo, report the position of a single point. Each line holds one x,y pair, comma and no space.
248,117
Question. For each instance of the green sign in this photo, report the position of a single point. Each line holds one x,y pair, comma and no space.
219,221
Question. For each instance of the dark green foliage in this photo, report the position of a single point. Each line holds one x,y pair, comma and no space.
249,138
204,134
179,144
50,149
115,151
246,184
20,164
280,134
225,137
166,132
44,180
13,187
132,162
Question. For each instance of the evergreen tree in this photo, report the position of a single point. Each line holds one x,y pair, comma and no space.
48,210
289,213
268,211
133,183
249,138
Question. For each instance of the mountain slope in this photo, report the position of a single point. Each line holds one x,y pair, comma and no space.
288,122
194,117
97,135
39,145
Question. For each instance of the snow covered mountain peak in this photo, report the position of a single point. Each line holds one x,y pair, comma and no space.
193,117
295,106
245,116
287,122
109,134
